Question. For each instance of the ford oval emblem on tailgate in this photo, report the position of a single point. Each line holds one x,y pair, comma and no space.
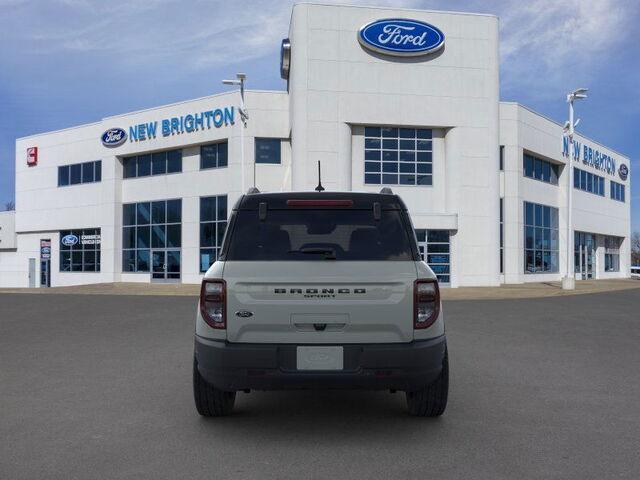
244,314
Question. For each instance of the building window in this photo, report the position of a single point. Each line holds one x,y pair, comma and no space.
502,235
434,249
612,254
159,163
268,150
539,169
617,191
88,172
213,155
541,242
501,157
588,182
147,227
611,262
80,250
213,223
398,156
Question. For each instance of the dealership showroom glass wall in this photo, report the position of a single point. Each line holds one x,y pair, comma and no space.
406,99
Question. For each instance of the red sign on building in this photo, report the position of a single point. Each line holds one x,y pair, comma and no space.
32,156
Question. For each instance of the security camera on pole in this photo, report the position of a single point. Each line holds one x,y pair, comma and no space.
569,281
244,116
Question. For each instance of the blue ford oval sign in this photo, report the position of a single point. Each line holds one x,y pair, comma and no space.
401,37
69,240
114,137
623,171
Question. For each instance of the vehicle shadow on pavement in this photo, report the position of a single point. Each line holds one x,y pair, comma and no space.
339,414
322,404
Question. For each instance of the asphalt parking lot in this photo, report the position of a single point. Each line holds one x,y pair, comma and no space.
95,386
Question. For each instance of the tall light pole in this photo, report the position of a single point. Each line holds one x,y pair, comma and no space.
244,116
569,281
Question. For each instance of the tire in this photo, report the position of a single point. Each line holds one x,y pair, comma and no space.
431,401
210,402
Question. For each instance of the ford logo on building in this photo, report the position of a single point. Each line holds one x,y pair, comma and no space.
401,37
114,137
623,171
69,240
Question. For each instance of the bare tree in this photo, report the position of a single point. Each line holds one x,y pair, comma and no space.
10,205
635,248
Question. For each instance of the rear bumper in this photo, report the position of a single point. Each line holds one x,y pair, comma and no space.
400,366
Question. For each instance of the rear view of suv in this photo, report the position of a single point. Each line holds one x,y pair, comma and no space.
320,290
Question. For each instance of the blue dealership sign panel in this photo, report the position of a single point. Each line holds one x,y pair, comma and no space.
114,137
401,37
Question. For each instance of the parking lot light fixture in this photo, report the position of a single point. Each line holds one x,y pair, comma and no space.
244,116
569,281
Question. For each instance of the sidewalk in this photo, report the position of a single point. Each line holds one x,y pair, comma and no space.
538,290
527,290
121,288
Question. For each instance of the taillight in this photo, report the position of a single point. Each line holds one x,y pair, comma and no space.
426,303
213,302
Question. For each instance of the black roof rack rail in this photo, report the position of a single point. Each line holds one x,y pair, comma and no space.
252,191
386,191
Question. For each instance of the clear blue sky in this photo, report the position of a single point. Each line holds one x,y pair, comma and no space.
68,62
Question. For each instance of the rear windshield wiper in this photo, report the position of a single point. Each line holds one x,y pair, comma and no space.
328,253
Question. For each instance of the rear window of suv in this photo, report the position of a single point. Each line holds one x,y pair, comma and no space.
319,235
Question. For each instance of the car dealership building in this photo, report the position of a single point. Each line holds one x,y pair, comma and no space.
406,99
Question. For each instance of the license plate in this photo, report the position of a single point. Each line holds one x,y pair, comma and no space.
320,358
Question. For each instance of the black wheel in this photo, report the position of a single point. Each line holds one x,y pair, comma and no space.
210,402
431,401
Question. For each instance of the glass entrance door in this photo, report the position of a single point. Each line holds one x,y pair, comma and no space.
165,265
173,264
434,248
159,265
584,253
45,273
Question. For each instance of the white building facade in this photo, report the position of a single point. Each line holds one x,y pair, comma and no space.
145,196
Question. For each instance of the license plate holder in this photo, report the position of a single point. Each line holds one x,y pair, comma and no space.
320,358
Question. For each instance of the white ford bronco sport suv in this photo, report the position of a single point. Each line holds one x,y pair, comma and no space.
320,290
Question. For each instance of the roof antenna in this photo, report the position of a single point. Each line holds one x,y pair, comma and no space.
319,188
